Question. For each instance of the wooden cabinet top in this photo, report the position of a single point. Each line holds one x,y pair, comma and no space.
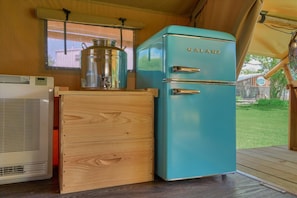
64,91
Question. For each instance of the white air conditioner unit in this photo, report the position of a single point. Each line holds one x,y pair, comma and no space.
26,125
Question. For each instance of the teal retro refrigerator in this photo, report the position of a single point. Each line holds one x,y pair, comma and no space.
194,70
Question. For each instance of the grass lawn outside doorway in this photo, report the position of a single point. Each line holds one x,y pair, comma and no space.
263,124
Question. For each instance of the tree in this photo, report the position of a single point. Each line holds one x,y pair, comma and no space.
277,81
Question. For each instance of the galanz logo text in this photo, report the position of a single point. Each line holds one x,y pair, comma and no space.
204,51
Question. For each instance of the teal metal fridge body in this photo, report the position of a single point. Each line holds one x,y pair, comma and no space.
194,71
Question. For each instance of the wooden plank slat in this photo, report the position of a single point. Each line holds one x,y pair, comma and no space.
283,163
292,119
113,163
268,168
283,167
276,166
105,117
269,179
277,151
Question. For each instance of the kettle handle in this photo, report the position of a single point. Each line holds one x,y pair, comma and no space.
84,46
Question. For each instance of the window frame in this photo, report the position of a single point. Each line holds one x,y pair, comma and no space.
131,54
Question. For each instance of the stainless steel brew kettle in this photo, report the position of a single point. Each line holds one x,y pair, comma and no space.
103,65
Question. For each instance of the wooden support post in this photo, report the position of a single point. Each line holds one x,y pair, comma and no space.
288,73
292,136
292,143
292,84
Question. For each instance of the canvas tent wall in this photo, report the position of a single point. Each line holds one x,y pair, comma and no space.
22,36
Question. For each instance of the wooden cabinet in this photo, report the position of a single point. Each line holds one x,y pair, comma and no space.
106,139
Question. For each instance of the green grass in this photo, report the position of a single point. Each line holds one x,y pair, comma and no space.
263,124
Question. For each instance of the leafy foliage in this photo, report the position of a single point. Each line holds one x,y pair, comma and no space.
272,103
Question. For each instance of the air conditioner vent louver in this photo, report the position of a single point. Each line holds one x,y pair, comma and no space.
11,170
25,170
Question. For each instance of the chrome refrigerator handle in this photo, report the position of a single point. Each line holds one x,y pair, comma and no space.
184,91
185,69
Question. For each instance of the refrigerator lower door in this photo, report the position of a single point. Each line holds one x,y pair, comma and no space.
195,130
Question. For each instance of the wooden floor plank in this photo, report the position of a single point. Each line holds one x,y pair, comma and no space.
273,161
271,172
292,167
258,169
231,185
274,165
262,177
280,152
270,179
267,168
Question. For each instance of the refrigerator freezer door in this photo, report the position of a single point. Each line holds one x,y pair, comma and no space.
196,130
198,58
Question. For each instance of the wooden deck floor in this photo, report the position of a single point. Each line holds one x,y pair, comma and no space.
229,186
275,166
257,169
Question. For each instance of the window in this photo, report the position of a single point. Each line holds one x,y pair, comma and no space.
76,35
